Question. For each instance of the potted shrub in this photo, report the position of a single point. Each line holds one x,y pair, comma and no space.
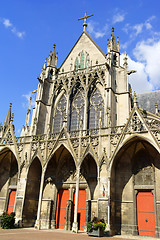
96,227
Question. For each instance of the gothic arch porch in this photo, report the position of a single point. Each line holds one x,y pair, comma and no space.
56,207
134,191
59,191
8,180
30,207
88,174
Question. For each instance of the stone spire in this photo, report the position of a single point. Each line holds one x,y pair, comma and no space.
85,22
113,41
156,108
135,103
125,64
53,56
7,119
28,113
52,59
45,64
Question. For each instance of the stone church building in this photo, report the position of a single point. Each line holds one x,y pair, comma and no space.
90,150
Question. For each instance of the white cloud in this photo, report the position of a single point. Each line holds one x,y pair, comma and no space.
139,80
138,28
147,62
7,23
17,33
118,18
148,53
92,29
148,25
27,97
135,30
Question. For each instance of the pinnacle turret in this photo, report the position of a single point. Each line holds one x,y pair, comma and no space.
113,55
113,41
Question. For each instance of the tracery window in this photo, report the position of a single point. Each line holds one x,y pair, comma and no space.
82,60
76,64
87,61
95,109
76,109
59,114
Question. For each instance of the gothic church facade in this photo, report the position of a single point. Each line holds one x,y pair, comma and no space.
90,150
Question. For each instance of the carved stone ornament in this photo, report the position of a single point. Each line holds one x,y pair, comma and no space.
20,147
34,146
84,142
136,125
95,141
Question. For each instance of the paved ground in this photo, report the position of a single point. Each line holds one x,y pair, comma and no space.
32,234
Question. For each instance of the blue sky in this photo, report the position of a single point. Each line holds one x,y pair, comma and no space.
28,30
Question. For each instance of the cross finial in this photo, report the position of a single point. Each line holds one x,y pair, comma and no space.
85,22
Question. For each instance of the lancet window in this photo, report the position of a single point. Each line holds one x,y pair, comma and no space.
59,114
76,64
95,109
82,60
76,108
87,61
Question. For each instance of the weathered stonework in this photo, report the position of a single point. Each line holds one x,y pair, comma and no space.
87,136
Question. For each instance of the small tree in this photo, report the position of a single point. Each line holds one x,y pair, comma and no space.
7,220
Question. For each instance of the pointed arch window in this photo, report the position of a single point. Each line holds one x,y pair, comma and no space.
87,61
76,110
82,60
95,109
76,64
59,114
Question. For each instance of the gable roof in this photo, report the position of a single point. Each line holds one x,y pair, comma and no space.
147,100
84,33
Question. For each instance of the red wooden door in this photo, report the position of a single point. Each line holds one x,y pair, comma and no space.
62,197
81,209
145,214
11,202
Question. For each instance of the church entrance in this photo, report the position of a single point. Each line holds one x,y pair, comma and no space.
61,209
62,197
133,189
8,180
59,184
81,218
29,215
11,202
145,214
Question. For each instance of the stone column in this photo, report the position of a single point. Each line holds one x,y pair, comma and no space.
53,220
85,112
109,203
75,223
37,224
88,213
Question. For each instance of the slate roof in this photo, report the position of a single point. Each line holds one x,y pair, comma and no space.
147,100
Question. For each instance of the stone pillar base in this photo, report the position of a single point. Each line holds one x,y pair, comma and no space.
53,224
157,232
18,223
75,227
38,224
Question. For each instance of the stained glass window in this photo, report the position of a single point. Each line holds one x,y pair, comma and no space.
76,64
77,110
87,61
59,114
82,60
96,108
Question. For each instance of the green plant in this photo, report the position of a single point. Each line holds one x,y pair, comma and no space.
95,224
89,226
7,220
